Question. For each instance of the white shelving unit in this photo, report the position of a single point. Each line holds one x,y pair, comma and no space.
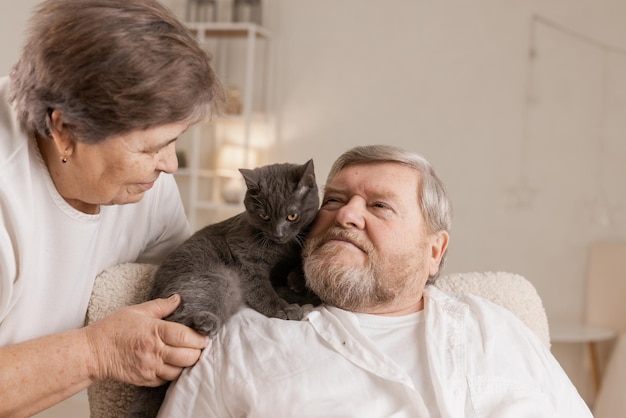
242,58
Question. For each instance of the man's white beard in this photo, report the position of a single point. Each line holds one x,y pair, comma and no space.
353,288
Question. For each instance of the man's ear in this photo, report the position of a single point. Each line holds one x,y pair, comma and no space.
61,137
438,247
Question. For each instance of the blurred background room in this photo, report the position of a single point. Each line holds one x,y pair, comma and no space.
519,105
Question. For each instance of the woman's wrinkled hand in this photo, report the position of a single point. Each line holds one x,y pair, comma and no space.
134,345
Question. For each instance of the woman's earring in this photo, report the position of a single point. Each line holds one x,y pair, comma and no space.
64,159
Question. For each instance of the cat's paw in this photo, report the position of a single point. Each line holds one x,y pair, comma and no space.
206,323
293,312
280,314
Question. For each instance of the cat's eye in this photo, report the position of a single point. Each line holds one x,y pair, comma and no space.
264,216
292,217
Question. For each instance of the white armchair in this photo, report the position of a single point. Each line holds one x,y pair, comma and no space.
128,284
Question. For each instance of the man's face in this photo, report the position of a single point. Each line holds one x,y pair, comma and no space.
369,249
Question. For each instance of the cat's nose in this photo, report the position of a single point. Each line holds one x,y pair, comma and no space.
281,234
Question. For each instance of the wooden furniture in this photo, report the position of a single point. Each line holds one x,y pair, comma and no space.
611,401
242,58
574,333
605,307
201,11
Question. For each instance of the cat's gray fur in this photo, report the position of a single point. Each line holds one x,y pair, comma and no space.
245,259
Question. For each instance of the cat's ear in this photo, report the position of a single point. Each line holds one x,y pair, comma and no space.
307,178
251,178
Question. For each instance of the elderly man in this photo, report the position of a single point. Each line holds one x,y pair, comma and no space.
385,343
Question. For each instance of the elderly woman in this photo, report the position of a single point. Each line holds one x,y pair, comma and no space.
89,118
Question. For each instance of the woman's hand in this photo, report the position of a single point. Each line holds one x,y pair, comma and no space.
134,345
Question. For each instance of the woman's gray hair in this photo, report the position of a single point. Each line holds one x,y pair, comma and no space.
431,193
110,67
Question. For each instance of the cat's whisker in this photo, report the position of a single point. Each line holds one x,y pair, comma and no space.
259,237
299,239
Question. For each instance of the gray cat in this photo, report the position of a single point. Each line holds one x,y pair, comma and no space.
250,259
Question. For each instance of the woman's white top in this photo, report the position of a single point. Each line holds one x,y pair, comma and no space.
50,253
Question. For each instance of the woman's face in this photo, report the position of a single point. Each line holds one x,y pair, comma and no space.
118,170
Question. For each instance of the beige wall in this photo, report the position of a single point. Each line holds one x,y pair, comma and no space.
13,15
534,167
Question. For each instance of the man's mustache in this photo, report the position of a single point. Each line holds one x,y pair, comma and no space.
339,234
